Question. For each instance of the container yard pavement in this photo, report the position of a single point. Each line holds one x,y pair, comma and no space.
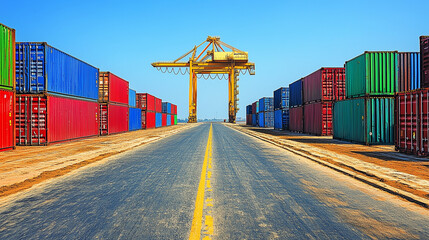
404,175
27,166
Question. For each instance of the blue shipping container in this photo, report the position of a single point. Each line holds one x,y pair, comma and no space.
158,120
295,93
249,109
134,119
41,68
132,98
254,119
168,120
281,98
266,104
260,119
281,119
266,119
166,107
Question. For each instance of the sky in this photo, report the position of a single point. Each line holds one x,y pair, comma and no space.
286,40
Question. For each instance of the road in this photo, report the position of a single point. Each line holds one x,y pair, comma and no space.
212,183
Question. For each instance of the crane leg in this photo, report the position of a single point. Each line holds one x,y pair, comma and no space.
231,96
192,97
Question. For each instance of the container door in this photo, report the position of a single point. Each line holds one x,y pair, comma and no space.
104,119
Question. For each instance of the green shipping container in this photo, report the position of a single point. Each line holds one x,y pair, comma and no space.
7,58
365,120
372,74
175,119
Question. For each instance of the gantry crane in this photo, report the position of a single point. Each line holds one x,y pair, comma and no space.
215,61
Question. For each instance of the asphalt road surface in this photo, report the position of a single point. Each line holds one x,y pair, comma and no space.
209,183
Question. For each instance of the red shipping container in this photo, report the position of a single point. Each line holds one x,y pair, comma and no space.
148,119
158,105
44,119
249,119
424,61
173,109
172,119
112,89
325,84
318,118
145,101
113,118
254,108
7,120
164,119
412,122
296,119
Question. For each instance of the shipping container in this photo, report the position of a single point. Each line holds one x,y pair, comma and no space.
424,61
254,108
113,89
175,119
408,71
166,107
325,84
158,105
174,109
281,119
249,119
7,120
148,119
168,120
158,120
372,74
172,119
44,119
261,119
42,69
134,119
132,98
257,106
296,119
249,109
266,119
113,118
164,119
318,118
7,58
295,93
368,120
266,104
254,119
412,122
145,102
281,98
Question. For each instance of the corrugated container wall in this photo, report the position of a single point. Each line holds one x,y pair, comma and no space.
166,107
412,122
325,84
164,119
158,120
424,61
257,106
132,98
295,93
148,119
113,118
145,101
158,105
7,58
174,109
249,119
296,119
44,119
408,71
171,119
365,120
266,104
175,119
113,89
248,109
134,119
254,108
318,118
168,120
281,98
7,120
372,74
281,119
41,68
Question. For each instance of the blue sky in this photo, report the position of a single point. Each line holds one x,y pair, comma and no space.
285,39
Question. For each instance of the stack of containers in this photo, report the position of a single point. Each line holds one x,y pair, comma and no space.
146,103
266,112
158,115
249,114
254,115
135,113
412,107
166,113
57,98
281,108
320,90
7,88
296,115
114,109
367,114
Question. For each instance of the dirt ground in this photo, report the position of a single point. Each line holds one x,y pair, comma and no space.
28,165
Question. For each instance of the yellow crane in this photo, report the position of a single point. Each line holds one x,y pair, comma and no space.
216,61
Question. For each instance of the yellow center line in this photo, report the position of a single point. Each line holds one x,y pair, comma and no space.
199,202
